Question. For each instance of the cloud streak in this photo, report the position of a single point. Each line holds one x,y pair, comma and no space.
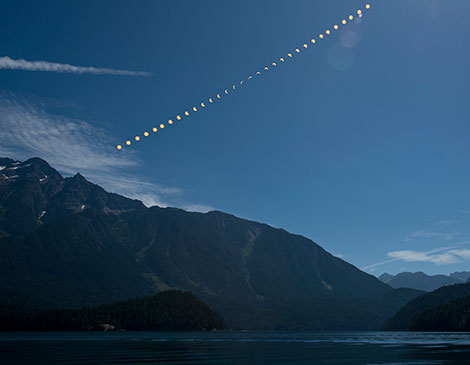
7,63
438,256
431,235
71,145
441,258
74,145
378,264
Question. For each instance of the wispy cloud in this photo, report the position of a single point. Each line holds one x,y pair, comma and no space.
8,63
429,234
135,188
446,222
373,266
74,145
199,208
71,145
438,256
463,254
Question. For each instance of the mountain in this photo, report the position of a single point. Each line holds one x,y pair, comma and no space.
402,320
385,278
170,310
464,276
66,242
420,280
451,317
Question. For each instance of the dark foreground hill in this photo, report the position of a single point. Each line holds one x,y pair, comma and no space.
403,319
451,317
166,311
65,242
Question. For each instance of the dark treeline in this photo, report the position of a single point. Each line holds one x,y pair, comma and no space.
401,321
166,311
450,317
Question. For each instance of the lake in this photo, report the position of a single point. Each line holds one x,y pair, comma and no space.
235,347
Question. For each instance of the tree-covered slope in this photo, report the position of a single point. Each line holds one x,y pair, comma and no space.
401,321
451,317
77,261
166,311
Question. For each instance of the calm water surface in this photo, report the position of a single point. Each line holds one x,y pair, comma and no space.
235,347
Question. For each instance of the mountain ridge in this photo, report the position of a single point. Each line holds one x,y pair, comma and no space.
79,245
421,281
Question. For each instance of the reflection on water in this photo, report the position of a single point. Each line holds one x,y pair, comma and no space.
235,347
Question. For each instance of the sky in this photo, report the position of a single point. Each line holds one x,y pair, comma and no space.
359,142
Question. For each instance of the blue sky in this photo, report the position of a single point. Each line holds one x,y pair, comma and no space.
360,143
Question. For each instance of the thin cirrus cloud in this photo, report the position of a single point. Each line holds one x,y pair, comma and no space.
438,256
73,145
447,257
430,235
8,63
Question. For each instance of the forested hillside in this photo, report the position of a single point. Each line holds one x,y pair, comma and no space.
166,311
402,320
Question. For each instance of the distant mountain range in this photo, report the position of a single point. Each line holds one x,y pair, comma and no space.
462,275
65,242
421,281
